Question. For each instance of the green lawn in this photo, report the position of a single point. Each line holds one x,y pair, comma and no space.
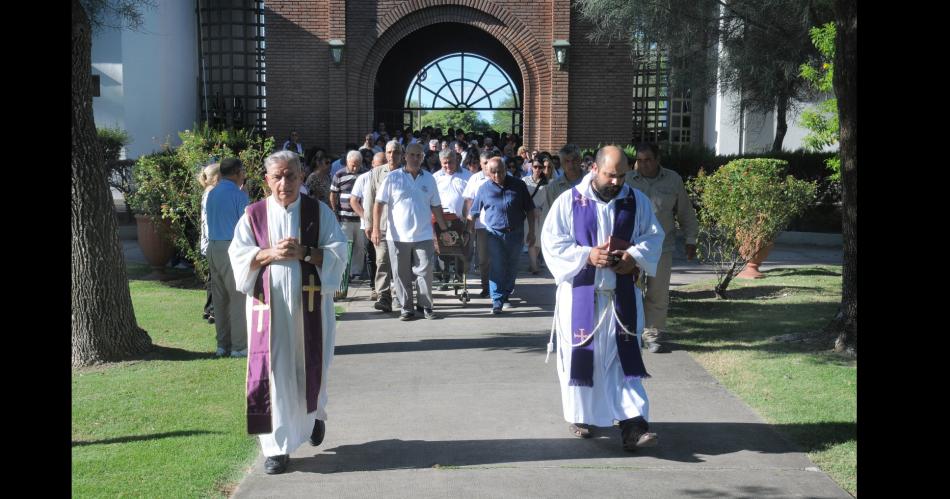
170,425
806,391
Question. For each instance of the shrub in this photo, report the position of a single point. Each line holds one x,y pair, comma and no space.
166,184
743,207
112,140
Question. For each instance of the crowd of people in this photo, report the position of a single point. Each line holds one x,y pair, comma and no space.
385,210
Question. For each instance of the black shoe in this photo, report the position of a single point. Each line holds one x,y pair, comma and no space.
383,307
406,316
634,434
276,465
319,430
429,314
483,294
205,315
580,430
210,319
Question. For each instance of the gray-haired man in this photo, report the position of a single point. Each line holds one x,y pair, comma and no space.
340,189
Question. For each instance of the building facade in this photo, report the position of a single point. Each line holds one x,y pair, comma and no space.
333,69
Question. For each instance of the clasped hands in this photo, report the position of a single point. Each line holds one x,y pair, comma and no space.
619,261
287,248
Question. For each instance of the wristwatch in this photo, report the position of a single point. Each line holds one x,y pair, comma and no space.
306,256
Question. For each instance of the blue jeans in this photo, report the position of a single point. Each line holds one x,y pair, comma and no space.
504,252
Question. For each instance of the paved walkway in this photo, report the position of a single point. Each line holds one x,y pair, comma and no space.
465,406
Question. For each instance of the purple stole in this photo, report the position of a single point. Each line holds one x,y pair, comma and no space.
258,358
583,305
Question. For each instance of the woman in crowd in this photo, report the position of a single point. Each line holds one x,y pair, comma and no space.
541,175
318,182
208,178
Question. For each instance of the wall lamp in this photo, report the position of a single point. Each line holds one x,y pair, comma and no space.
560,52
336,51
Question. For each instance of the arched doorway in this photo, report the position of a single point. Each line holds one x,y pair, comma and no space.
428,49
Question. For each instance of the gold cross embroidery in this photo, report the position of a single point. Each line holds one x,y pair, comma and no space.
311,289
260,313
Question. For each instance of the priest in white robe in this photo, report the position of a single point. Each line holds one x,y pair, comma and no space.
288,256
597,238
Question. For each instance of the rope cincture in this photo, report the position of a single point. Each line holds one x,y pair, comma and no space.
610,296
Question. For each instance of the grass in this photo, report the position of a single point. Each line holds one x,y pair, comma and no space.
170,424
800,386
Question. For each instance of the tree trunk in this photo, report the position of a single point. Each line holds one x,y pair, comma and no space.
103,322
845,85
781,128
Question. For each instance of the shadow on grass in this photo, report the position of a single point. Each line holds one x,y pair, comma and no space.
140,438
679,442
160,352
173,278
745,293
530,342
803,272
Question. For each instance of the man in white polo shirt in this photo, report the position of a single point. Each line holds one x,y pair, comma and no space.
452,181
409,195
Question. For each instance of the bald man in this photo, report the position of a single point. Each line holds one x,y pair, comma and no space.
598,237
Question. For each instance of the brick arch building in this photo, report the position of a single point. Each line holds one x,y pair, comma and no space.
587,101
266,64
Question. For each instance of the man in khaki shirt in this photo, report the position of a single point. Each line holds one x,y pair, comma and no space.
570,156
669,199
383,286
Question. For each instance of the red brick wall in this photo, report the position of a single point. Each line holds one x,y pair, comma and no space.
331,105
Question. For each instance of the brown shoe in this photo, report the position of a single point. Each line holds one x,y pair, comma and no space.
634,434
580,430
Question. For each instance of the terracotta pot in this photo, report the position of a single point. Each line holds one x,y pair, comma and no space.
155,243
751,270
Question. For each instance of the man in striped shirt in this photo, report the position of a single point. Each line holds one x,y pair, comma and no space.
340,189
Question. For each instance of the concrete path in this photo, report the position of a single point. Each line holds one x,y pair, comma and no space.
466,407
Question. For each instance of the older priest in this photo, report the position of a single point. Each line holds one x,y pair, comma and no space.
596,239
288,255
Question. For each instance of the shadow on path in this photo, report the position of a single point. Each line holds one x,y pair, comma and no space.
522,343
679,442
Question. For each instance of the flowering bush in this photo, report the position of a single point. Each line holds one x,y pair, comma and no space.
166,185
742,208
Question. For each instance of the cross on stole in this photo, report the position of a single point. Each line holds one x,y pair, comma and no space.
260,313
311,289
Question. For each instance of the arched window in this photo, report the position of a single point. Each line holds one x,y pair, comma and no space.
463,82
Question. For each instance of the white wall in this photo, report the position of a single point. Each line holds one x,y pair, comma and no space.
722,128
152,75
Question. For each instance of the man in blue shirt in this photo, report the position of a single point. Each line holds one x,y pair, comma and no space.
225,205
502,204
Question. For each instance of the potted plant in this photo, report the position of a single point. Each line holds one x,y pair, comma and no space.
743,207
147,200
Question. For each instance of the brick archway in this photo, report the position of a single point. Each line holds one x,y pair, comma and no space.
481,14
587,101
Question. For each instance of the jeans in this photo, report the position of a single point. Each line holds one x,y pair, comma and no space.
504,252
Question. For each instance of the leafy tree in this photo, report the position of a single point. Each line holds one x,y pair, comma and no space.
445,119
103,322
501,120
822,122
845,84
759,44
